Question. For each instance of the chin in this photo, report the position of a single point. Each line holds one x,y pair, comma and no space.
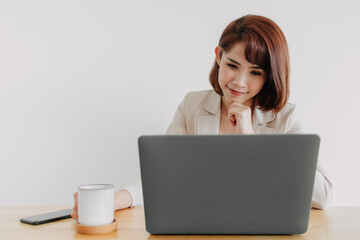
235,99
231,99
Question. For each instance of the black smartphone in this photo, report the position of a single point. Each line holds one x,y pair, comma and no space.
47,217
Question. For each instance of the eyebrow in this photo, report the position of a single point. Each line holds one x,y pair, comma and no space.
254,66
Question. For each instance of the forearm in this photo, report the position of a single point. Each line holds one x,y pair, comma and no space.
123,199
322,194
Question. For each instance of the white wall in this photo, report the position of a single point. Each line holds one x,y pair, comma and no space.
80,81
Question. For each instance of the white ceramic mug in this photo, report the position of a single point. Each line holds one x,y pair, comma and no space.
96,204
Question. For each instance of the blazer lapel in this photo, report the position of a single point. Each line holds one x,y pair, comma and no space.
264,130
209,123
261,119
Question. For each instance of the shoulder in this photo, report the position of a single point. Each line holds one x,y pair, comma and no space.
285,121
198,95
201,102
289,118
272,117
287,111
199,98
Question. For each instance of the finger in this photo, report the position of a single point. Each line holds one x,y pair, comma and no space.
234,107
74,215
232,120
235,104
232,115
75,201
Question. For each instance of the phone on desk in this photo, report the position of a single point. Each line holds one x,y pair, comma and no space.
47,217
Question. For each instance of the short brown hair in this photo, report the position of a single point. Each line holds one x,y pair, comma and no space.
266,46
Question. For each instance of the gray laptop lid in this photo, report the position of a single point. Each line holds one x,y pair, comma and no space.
228,184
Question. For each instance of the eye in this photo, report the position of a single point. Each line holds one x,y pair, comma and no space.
256,73
232,66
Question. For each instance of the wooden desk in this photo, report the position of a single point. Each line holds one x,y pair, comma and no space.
335,223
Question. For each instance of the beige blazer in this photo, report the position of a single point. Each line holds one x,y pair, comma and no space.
199,113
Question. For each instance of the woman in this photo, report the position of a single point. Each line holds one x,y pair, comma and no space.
250,80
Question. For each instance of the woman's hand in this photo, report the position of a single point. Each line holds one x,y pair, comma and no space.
74,214
240,117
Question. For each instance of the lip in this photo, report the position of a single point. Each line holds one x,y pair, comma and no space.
236,93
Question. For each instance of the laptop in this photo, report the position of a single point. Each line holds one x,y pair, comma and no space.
228,184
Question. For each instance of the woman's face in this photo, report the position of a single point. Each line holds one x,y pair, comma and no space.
239,80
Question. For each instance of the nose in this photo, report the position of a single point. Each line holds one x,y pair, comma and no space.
240,80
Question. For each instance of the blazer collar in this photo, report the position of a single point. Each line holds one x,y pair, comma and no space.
262,117
210,124
213,103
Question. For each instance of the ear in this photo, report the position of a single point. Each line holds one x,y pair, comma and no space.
217,54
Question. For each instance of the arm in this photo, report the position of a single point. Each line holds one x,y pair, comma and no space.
131,195
178,125
123,200
322,194
323,188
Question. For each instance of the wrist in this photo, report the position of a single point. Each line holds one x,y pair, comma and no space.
245,132
122,199
244,128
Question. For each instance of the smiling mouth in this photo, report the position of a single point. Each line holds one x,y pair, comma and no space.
236,93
